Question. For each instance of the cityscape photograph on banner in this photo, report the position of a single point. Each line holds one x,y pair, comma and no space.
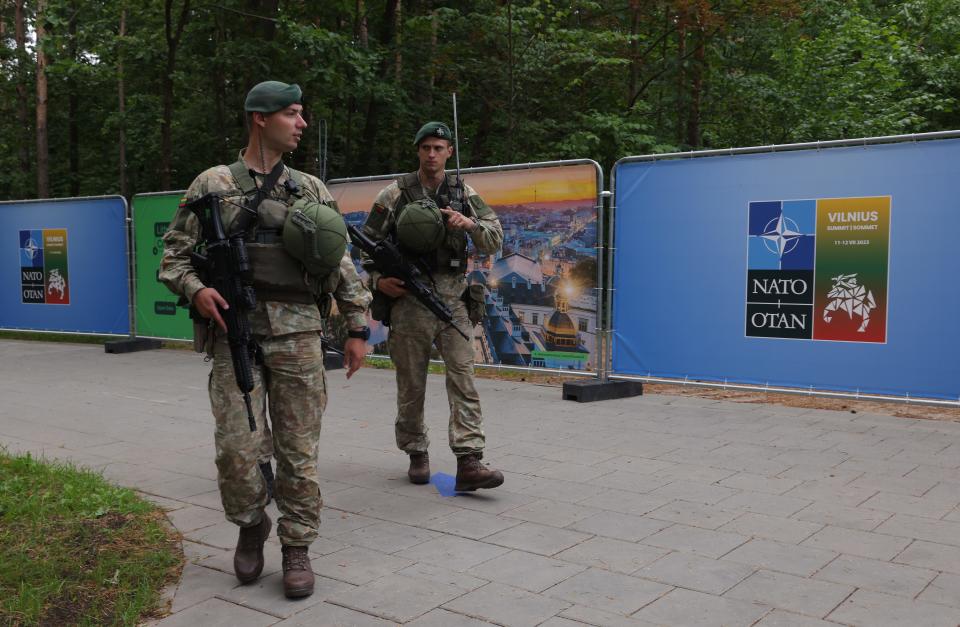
818,269
44,276
541,304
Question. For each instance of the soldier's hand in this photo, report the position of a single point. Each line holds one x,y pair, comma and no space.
354,351
208,302
391,286
458,221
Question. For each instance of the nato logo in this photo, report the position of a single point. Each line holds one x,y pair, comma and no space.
782,235
31,249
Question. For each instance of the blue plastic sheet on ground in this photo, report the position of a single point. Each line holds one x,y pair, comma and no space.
444,483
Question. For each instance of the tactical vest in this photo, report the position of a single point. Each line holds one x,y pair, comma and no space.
451,255
276,275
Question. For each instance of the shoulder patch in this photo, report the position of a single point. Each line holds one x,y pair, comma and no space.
376,219
480,208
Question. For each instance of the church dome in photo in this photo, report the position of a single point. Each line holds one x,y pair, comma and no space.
559,330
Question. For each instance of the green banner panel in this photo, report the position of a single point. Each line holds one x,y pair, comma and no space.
157,314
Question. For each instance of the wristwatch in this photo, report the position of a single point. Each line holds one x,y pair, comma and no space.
363,333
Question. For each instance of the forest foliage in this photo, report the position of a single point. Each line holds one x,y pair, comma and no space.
112,96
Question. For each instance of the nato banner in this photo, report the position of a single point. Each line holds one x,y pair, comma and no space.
828,269
65,268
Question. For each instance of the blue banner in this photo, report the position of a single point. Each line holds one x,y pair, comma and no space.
831,269
64,266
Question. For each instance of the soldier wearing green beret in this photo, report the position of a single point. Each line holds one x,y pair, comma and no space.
403,210
294,284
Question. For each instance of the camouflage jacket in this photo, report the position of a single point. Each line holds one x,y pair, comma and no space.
487,238
269,318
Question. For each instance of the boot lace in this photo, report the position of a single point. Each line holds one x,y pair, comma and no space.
295,558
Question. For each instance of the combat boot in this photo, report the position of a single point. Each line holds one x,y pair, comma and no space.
472,475
248,558
297,573
419,472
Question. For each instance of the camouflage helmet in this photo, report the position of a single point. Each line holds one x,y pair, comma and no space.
316,236
420,227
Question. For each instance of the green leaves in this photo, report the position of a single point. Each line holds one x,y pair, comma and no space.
536,79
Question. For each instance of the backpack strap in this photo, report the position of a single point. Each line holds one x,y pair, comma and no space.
242,176
410,189
248,185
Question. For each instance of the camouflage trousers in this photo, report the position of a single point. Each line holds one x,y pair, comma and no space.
292,383
413,332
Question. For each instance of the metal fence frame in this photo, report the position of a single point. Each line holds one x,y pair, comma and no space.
601,357
608,373
129,252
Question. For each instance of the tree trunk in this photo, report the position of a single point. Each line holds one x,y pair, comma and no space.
510,97
397,79
434,29
361,35
73,108
360,25
122,106
681,76
696,87
43,153
634,51
172,34
266,29
23,106
667,24
387,35
478,151
220,88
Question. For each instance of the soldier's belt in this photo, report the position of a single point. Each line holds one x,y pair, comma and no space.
282,296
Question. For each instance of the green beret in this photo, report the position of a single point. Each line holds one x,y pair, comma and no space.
270,96
433,129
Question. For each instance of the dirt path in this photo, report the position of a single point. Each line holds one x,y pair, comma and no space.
901,410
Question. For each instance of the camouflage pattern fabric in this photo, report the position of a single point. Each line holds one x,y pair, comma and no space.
414,330
292,383
291,380
266,445
178,274
487,239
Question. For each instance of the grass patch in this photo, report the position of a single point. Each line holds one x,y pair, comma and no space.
75,550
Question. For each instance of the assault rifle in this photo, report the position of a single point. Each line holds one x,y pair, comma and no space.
388,259
225,266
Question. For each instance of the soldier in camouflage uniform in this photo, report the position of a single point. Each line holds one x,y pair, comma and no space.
286,324
414,330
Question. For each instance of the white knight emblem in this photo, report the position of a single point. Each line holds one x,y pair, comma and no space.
846,295
56,283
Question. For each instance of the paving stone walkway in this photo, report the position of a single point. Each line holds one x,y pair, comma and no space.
659,510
